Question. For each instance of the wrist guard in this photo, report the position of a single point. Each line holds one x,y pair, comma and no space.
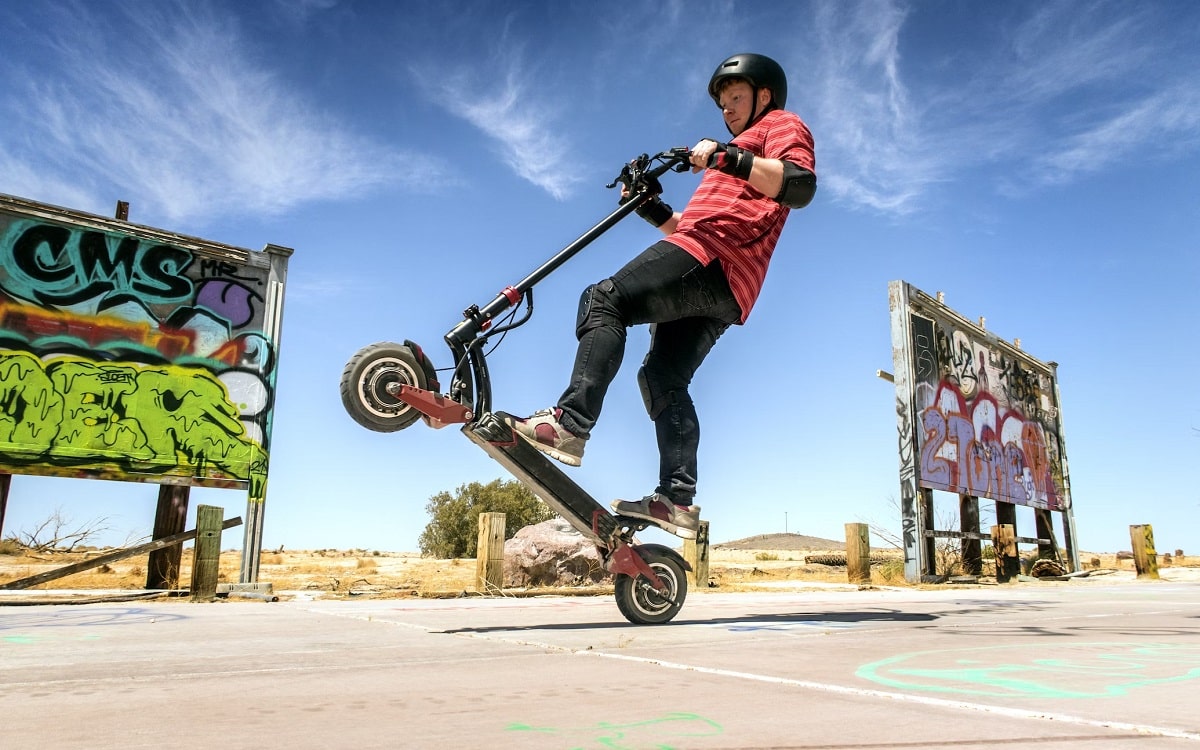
655,211
733,160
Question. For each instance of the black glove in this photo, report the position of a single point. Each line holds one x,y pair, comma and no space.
655,211
733,160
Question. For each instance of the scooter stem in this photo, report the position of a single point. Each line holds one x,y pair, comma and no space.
478,319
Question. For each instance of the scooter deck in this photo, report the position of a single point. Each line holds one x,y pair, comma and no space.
536,471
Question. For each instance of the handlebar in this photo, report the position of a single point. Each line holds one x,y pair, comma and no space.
642,172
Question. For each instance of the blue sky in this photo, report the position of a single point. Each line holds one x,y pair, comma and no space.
1034,161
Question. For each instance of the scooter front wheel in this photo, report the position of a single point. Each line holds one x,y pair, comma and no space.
365,382
641,603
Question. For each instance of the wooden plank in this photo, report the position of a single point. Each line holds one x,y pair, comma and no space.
489,554
206,553
98,560
858,553
1145,559
695,552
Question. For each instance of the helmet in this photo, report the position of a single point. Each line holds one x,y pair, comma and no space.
761,71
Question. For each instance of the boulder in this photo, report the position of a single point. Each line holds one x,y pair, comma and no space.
551,553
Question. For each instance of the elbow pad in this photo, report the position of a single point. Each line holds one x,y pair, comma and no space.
799,186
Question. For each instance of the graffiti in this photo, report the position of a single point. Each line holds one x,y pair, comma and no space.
121,357
1082,670
988,427
54,265
979,449
138,419
659,733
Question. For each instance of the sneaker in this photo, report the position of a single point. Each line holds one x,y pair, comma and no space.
544,431
681,520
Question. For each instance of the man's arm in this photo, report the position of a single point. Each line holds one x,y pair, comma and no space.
767,176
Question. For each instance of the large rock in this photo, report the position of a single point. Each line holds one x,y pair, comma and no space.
551,553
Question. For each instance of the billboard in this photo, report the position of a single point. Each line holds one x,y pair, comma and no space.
984,415
135,354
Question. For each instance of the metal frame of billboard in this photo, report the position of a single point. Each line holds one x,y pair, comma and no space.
977,417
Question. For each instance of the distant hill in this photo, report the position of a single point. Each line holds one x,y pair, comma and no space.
783,542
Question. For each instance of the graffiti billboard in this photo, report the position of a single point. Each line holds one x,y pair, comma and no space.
986,413
135,354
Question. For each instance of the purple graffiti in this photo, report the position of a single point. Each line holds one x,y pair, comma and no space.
978,449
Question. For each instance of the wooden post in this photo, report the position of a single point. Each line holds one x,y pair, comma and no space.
695,552
5,483
968,523
1145,559
162,569
1044,522
489,555
927,541
207,551
1004,544
858,553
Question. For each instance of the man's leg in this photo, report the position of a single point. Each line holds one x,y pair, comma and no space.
676,350
661,284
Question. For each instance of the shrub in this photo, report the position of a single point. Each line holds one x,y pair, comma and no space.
453,529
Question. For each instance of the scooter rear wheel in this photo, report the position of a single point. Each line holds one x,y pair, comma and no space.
366,378
640,603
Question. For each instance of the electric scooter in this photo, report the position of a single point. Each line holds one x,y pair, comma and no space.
387,387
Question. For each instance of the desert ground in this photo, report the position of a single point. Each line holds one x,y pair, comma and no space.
753,563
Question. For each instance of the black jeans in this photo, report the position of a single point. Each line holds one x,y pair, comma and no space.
688,306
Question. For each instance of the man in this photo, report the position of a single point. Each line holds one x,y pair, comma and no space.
690,287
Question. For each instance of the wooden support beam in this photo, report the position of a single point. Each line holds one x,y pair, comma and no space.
1044,521
972,550
1004,543
207,553
695,552
98,560
489,555
1145,559
170,518
858,553
5,483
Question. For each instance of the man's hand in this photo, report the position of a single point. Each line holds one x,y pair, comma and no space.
702,152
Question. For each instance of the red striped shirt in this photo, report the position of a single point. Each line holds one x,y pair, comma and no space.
727,219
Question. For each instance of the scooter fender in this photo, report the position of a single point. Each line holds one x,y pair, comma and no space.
664,551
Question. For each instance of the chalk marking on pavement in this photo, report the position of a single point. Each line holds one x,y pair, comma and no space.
924,700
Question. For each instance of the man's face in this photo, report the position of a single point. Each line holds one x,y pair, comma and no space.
737,100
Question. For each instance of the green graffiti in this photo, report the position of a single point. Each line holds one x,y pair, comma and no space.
125,417
1082,670
655,734
30,408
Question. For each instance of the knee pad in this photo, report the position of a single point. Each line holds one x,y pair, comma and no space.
597,308
656,397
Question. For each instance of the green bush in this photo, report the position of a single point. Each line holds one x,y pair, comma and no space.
453,529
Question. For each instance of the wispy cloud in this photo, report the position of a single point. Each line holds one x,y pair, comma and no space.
504,101
166,106
871,151
1068,90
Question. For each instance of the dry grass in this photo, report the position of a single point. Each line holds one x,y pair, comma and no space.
399,574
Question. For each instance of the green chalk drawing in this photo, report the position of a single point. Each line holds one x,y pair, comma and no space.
652,734
1078,670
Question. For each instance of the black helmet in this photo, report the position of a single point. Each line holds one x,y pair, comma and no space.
761,71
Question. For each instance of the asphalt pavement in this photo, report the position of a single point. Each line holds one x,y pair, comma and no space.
1085,664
